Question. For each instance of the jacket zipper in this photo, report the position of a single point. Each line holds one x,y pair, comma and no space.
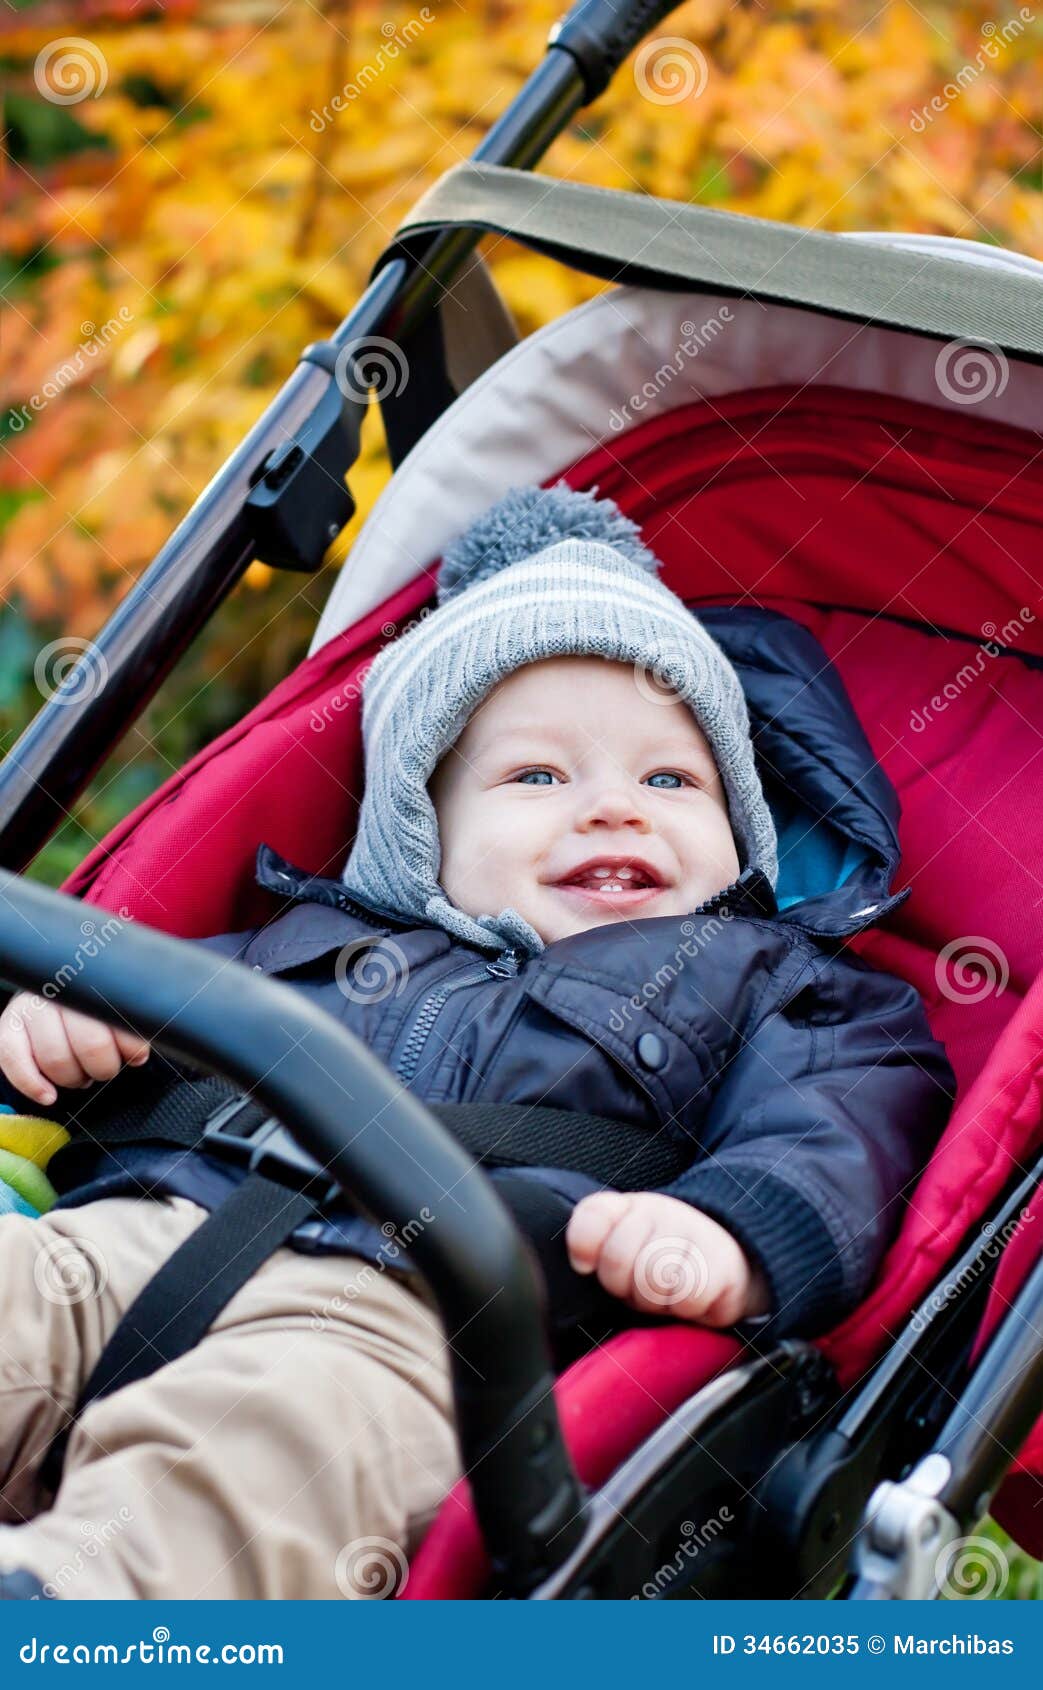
709,904
502,968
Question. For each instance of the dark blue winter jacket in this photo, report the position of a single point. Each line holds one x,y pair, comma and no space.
804,1086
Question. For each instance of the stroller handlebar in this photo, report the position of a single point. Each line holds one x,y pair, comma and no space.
272,1041
599,35
238,516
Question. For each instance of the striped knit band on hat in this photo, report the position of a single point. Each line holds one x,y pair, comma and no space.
547,572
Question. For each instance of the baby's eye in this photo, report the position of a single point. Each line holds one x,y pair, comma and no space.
667,774
526,775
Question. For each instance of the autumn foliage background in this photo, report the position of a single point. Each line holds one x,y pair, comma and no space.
178,235
192,202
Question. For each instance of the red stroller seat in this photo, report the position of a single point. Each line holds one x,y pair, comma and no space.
822,502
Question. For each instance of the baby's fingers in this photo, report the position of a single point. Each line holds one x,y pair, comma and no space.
93,1045
18,1062
52,1052
132,1047
589,1225
622,1250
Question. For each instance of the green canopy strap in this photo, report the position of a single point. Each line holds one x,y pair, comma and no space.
650,242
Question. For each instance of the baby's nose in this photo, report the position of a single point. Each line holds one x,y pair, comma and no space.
618,805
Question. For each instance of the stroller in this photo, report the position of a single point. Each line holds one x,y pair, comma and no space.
840,428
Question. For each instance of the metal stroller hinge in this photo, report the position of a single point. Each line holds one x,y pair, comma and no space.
901,1550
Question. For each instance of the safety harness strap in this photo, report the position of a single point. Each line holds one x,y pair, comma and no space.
622,1154
142,1106
283,1187
182,1300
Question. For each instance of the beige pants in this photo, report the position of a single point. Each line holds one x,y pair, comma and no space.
299,1451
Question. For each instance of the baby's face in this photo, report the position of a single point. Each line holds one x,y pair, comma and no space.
578,798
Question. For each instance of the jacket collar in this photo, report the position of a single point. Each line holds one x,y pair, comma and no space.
817,765
277,874
322,918
837,915
749,895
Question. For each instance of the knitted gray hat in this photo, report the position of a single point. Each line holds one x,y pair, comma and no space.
544,573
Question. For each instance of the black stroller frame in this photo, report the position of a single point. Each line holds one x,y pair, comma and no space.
854,1493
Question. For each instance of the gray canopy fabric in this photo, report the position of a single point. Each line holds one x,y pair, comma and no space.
636,239
710,303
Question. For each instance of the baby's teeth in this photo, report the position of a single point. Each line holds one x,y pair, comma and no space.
602,873
626,874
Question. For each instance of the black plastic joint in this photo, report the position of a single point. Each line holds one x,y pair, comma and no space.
266,1148
599,35
298,501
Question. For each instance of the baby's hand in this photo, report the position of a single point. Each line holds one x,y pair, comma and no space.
40,1042
662,1256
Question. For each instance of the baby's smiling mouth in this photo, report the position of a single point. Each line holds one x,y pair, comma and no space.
630,879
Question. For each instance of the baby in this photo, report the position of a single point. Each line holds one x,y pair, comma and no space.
539,808
560,782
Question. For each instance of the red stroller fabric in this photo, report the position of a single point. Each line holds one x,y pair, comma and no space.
901,536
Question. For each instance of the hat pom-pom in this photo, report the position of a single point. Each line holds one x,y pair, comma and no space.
528,520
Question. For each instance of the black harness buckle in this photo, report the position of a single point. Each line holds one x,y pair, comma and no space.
265,1147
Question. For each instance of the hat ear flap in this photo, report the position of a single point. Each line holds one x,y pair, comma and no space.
529,519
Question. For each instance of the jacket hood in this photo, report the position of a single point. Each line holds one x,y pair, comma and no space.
835,810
